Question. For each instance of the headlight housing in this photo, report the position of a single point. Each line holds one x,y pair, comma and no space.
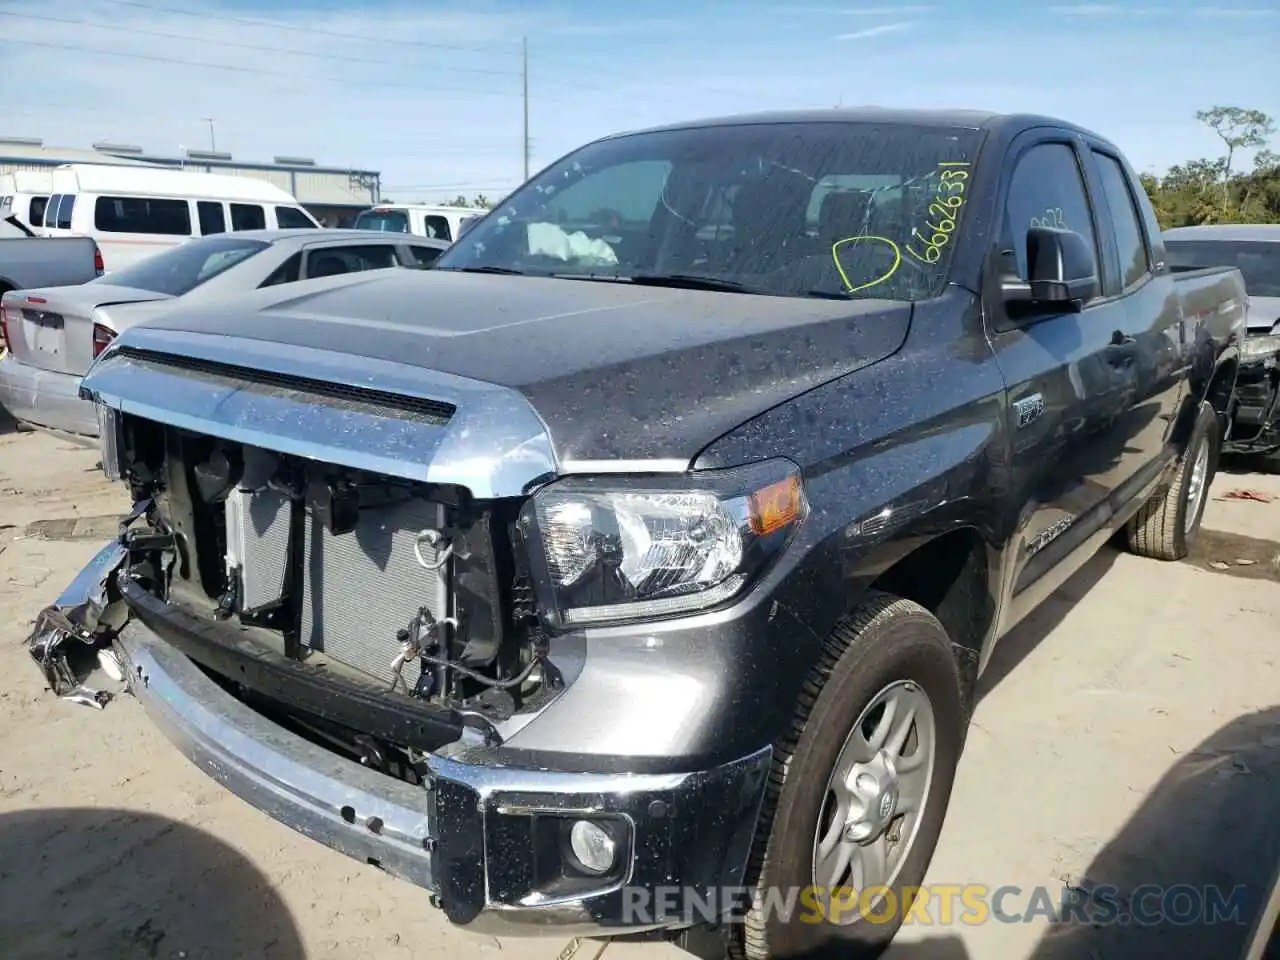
609,549
1255,347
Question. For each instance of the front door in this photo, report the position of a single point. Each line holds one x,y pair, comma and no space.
1070,375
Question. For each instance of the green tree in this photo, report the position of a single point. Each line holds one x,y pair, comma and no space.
1211,190
1239,129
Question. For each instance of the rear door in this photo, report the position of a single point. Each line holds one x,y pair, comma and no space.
1069,385
1148,317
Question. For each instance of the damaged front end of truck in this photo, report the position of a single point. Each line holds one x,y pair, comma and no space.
323,596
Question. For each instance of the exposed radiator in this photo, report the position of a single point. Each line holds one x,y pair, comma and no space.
360,588
258,544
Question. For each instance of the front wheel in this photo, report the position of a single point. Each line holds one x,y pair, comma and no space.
859,788
1166,525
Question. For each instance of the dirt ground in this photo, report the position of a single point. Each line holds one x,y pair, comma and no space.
1129,734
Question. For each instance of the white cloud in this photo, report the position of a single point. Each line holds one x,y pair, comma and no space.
887,11
1235,13
1088,10
874,31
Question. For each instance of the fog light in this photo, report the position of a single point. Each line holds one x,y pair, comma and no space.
594,849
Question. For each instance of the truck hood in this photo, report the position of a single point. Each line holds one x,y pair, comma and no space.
613,375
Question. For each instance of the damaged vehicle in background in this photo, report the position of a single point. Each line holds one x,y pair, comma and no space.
664,546
1254,422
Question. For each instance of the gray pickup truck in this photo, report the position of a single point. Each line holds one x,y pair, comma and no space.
28,261
634,566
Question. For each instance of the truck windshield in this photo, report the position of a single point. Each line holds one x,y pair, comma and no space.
181,269
386,221
787,209
1258,261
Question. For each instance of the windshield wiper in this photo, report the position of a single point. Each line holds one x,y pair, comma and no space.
505,271
692,281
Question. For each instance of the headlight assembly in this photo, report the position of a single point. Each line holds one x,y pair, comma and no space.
605,549
1255,347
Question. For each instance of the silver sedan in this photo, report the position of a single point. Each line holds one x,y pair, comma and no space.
54,333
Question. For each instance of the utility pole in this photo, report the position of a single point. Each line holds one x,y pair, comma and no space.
524,51
213,144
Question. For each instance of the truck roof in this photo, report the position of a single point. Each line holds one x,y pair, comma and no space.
1007,123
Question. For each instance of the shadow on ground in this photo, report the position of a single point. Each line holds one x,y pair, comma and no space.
127,885
1019,642
1208,830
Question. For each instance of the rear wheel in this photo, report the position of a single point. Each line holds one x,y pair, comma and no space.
1166,525
859,787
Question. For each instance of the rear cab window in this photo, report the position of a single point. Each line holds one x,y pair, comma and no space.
181,269
384,220
150,215
248,216
1257,260
291,218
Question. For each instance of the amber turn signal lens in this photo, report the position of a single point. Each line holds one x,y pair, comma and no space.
776,506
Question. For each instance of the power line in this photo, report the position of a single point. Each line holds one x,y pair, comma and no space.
165,35
258,71
294,28
558,60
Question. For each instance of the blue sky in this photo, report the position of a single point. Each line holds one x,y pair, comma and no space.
429,93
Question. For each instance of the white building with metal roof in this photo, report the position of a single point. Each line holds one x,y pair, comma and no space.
334,195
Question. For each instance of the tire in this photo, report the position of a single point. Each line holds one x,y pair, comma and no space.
885,642
1166,525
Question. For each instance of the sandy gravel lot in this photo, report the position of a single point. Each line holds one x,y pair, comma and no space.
1129,735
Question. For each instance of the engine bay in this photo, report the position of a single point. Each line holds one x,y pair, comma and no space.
414,594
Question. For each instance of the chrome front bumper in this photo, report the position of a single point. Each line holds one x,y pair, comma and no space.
462,836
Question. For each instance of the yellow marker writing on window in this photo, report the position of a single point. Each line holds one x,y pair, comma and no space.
835,255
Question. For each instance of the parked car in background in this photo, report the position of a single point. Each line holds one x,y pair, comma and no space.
24,194
421,220
1255,250
135,212
54,333
27,261
658,558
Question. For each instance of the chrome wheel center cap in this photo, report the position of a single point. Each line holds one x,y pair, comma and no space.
875,785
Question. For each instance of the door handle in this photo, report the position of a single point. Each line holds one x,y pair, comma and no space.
1121,351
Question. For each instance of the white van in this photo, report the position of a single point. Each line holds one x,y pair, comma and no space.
133,212
420,220
24,194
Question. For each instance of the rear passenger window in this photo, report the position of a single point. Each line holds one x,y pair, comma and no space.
424,256
248,216
333,261
1124,219
287,272
438,228
38,205
51,211
1046,190
212,219
65,208
291,218
170,218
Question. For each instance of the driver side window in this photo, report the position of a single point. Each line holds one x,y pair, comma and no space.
1046,190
